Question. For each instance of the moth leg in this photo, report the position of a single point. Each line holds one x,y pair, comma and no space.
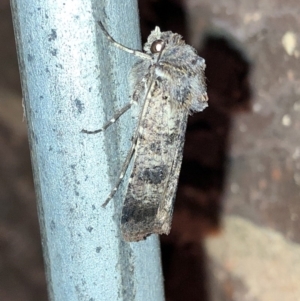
120,46
117,115
122,173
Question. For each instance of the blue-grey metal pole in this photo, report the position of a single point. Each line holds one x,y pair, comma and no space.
73,79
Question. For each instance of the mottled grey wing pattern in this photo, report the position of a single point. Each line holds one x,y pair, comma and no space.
152,186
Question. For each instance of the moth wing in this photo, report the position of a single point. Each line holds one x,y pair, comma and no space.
148,205
165,210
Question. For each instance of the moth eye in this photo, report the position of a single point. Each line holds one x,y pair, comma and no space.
157,46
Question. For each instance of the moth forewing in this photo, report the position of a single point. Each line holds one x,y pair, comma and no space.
165,209
148,204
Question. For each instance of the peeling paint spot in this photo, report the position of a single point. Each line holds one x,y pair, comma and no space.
53,52
30,57
52,36
79,105
289,42
90,229
286,120
52,225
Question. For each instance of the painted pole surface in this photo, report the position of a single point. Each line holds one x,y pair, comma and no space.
73,79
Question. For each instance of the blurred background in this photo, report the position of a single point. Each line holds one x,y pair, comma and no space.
235,233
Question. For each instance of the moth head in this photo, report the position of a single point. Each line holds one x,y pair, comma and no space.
158,40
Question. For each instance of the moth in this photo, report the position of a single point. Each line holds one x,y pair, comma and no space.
168,83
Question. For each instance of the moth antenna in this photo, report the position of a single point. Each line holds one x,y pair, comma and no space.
137,53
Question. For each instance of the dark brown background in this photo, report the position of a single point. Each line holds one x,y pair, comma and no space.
235,234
